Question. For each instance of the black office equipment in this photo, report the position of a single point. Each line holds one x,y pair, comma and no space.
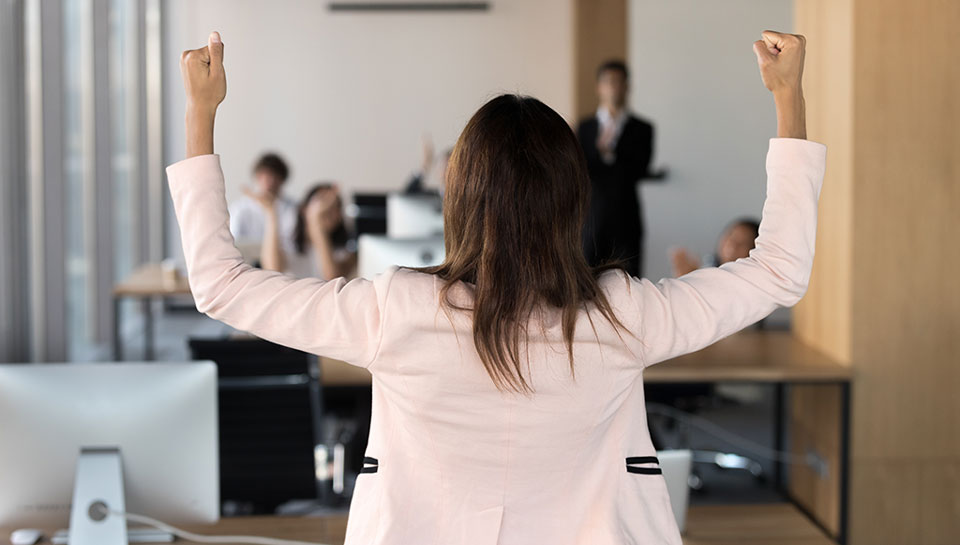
370,213
269,416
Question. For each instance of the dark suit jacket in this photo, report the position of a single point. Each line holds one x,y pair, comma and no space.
614,227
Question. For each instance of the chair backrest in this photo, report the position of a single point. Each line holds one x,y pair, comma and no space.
269,415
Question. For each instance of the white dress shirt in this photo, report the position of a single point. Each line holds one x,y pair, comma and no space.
605,121
248,222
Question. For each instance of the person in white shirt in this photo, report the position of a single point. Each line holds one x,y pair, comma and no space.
251,215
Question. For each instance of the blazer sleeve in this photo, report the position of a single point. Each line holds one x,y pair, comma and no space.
339,319
681,315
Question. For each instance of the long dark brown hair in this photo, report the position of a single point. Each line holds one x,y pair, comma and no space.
517,192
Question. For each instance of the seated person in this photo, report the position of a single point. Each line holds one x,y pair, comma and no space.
320,246
249,215
735,242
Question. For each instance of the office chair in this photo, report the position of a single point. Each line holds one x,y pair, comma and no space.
369,213
691,398
269,423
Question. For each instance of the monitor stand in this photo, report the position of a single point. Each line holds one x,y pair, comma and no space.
98,486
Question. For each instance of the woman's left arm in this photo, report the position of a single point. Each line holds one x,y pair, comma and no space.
681,315
340,319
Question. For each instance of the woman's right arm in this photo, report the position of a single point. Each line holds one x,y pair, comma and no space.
339,319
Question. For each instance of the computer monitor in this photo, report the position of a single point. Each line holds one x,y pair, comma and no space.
378,253
418,215
138,437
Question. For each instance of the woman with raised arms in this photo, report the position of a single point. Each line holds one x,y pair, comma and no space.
507,381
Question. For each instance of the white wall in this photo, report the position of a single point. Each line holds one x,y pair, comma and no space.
347,96
694,74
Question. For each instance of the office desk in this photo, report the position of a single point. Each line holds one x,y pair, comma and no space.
752,356
749,356
817,408
145,283
819,411
766,524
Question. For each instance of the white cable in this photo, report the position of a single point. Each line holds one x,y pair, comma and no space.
200,538
712,429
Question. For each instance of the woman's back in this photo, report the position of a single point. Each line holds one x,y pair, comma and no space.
468,462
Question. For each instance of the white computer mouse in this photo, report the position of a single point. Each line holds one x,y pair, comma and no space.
25,536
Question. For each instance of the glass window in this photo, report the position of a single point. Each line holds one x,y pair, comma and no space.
76,119
124,74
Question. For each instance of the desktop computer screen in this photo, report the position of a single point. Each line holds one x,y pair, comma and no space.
376,253
70,432
414,216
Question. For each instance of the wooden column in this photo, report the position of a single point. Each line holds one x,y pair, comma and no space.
883,92
599,34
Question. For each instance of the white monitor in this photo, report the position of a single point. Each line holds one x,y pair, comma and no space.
147,433
414,215
378,253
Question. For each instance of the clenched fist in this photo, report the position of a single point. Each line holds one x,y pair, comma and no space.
203,77
780,57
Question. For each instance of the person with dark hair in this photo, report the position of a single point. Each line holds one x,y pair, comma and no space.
508,399
321,245
264,206
618,146
735,242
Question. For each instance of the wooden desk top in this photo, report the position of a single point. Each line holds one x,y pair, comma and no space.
760,524
766,524
752,356
338,373
149,280
748,356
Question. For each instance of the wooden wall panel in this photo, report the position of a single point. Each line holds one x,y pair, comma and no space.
906,333
885,503
599,34
885,291
939,503
823,318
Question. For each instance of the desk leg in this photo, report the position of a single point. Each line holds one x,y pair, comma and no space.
844,460
148,354
117,341
779,413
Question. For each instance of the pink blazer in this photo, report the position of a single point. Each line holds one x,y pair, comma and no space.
450,458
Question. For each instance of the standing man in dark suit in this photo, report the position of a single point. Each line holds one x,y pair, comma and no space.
618,147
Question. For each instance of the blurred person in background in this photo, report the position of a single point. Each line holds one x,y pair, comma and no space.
319,246
735,242
618,146
263,204
430,166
